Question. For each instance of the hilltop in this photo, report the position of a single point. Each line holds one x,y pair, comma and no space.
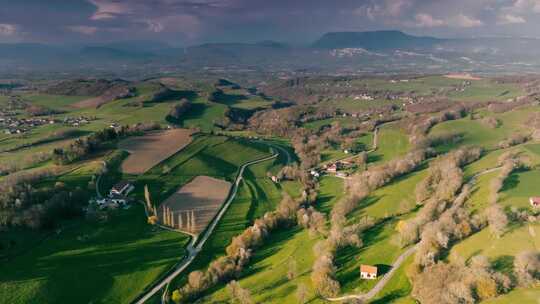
375,40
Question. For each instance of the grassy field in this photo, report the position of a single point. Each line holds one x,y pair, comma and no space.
121,256
350,105
392,143
381,245
256,195
487,90
317,124
479,90
519,187
266,277
395,198
380,248
215,156
520,237
397,290
203,115
57,102
83,260
520,295
475,133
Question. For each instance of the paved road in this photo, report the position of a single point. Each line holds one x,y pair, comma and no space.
380,285
397,263
196,243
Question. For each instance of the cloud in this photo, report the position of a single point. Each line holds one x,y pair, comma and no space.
426,20
186,24
525,6
108,9
83,29
154,26
510,19
463,21
386,8
7,29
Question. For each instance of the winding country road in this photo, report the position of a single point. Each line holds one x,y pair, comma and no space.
397,263
196,244
380,285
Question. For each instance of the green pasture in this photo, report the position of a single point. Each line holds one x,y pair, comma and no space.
266,276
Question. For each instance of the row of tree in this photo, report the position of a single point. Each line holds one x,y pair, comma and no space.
443,220
239,252
24,205
358,187
81,148
437,191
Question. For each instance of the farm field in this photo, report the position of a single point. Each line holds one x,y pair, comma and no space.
114,254
266,278
518,238
214,156
120,256
194,205
478,90
149,150
392,142
256,195
57,102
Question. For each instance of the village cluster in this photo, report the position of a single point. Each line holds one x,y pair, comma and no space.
16,125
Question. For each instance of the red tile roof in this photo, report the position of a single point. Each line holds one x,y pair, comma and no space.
368,269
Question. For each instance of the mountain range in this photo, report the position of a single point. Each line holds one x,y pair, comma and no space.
392,50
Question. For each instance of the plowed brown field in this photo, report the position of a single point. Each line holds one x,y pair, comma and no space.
149,150
194,205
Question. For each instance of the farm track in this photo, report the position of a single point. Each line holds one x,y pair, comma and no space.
397,263
196,244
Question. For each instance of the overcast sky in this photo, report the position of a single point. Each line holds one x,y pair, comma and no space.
187,22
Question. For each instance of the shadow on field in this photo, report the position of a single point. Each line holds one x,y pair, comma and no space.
394,295
513,180
197,110
344,256
87,263
504,264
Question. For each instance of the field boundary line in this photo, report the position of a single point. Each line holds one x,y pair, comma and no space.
196,244
397,263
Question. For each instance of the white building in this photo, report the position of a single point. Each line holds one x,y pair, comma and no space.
368,272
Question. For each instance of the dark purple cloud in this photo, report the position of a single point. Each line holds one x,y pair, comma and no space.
193,21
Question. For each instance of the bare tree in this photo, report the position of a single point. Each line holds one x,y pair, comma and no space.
527,267
292,272
497,219
239,294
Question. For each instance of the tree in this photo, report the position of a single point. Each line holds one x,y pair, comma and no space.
486,288
179,109
361,159
197,280
527,268
239,294
177,296
497,219
301,293
292,272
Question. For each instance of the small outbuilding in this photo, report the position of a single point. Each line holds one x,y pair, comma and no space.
122,188
332,168
368,272
535,202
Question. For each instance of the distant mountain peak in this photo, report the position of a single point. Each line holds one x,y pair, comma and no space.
374,40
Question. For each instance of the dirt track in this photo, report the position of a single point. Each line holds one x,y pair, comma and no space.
149,150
